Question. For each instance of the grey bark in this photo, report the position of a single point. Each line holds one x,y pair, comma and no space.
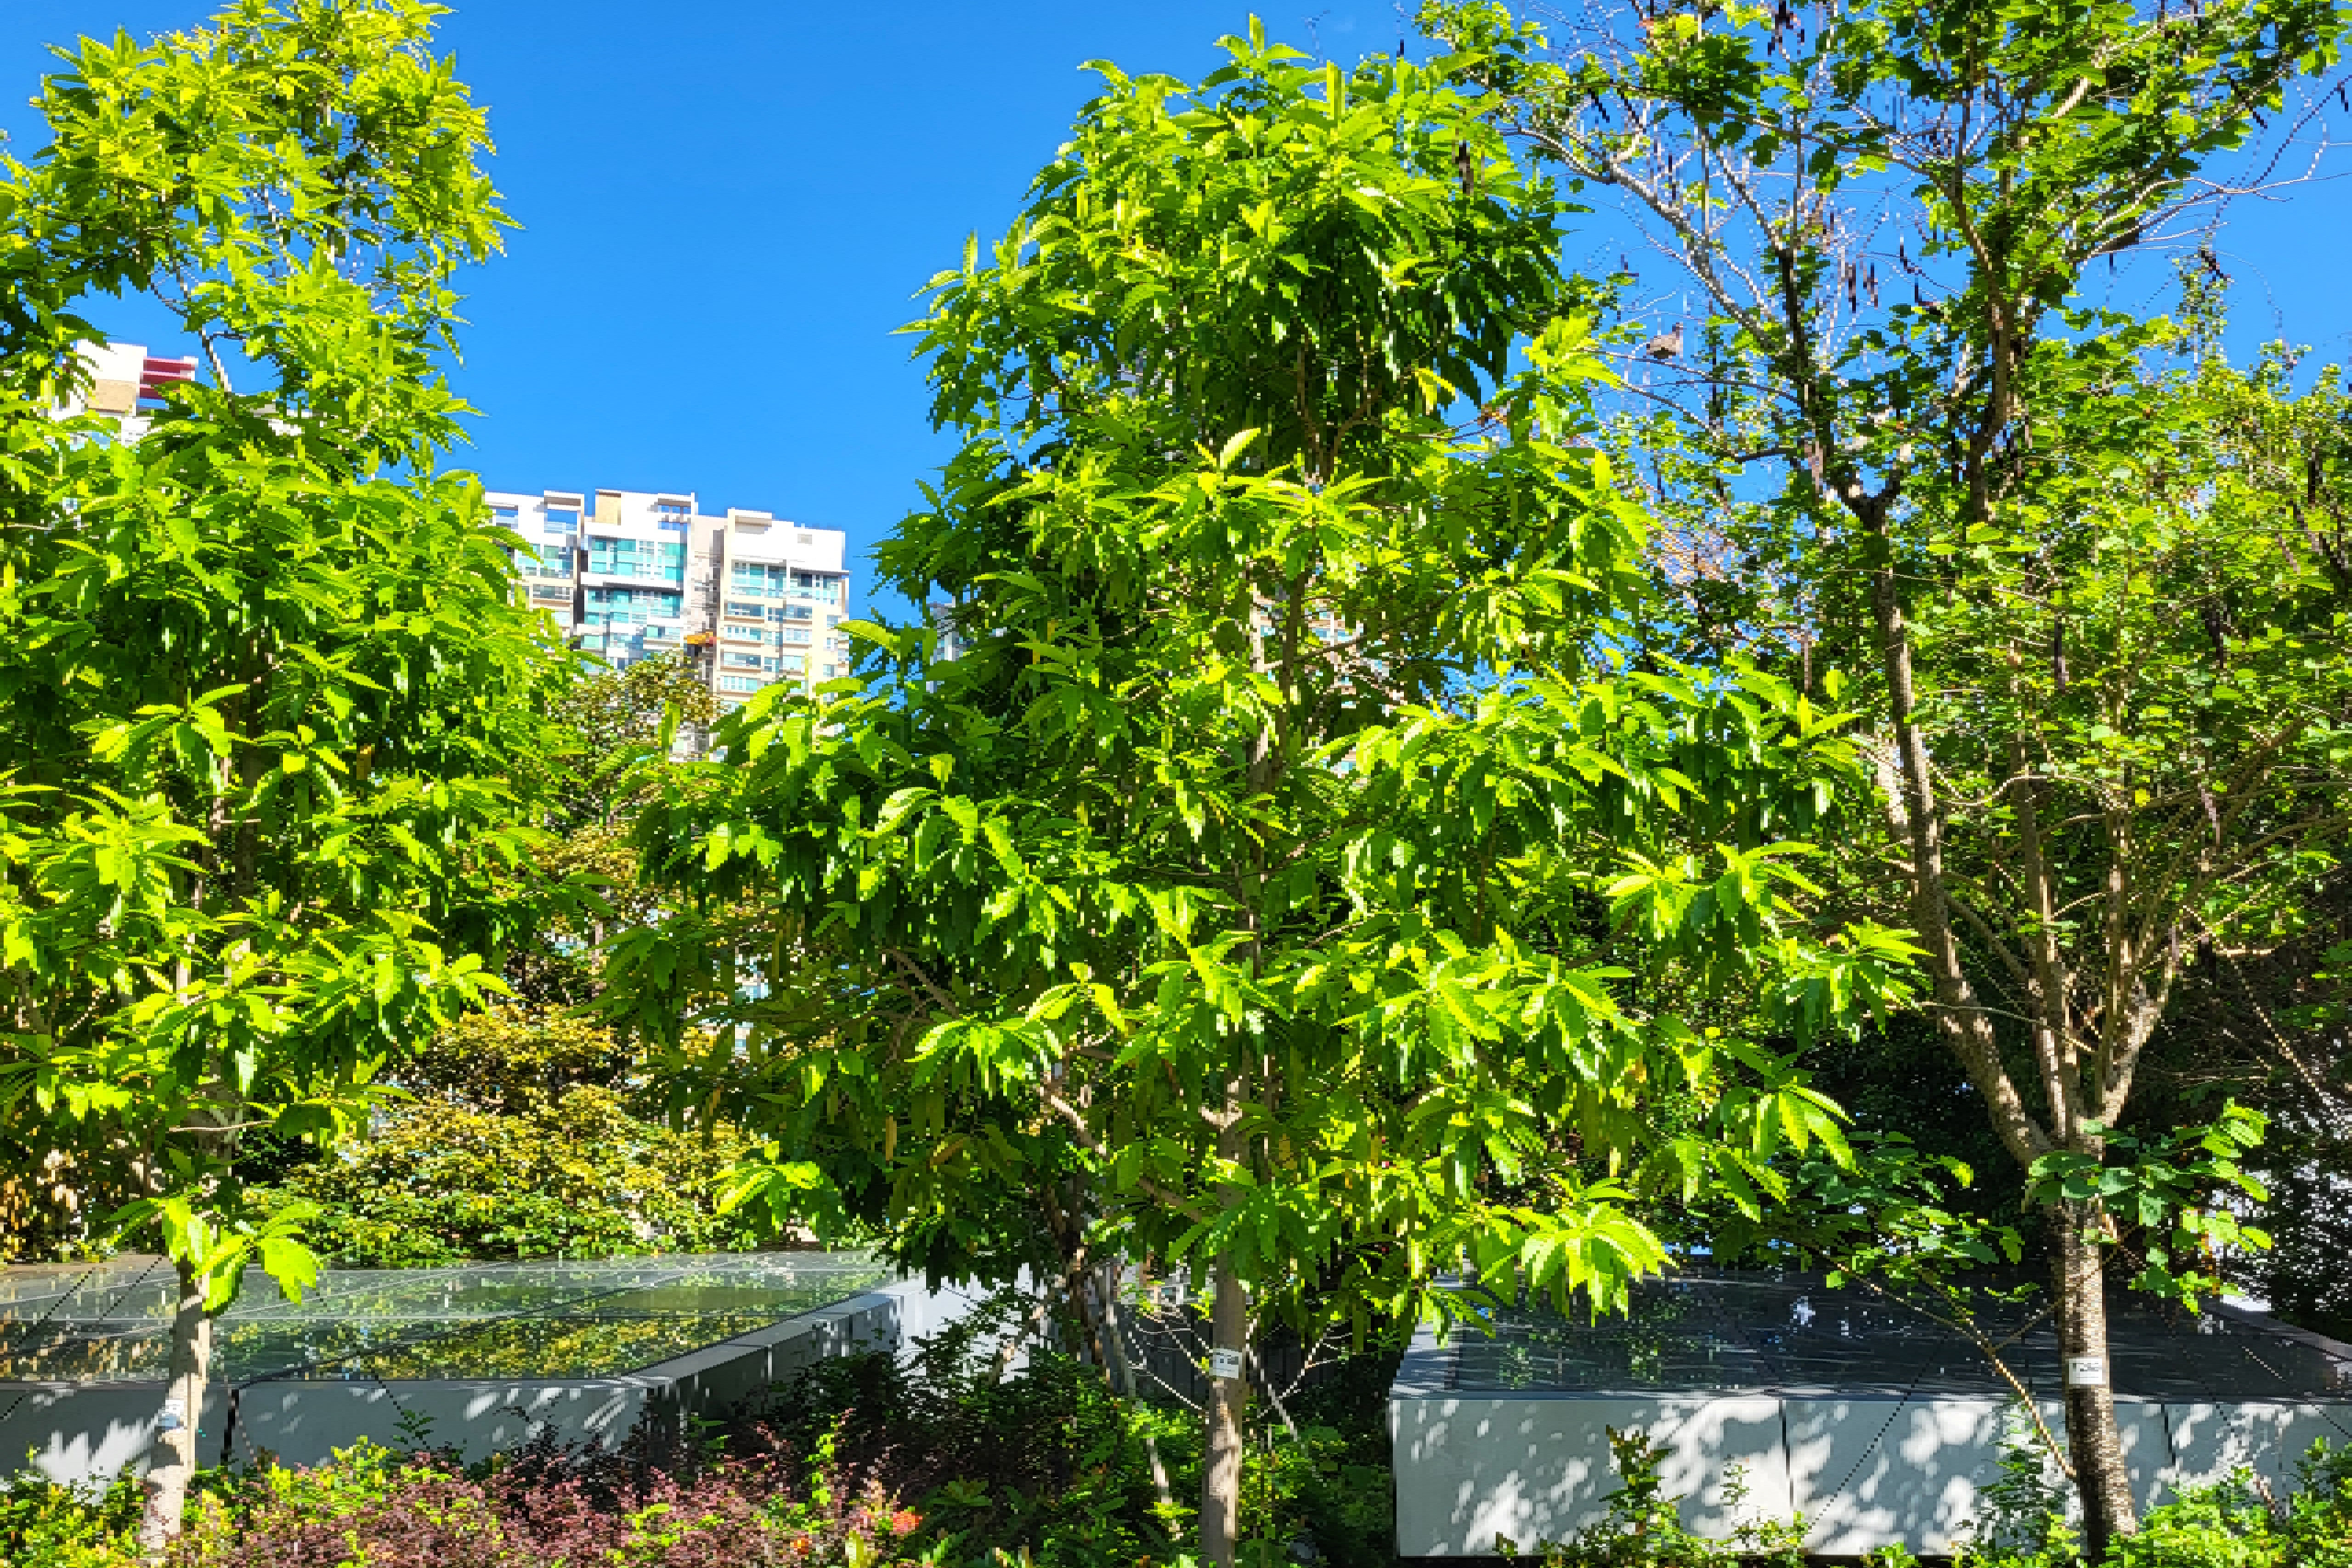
2080,1286
1228,1398
172,1461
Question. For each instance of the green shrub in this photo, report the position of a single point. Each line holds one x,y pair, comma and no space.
2233,1523
1326,1489
575,1174
1644,1523
528,1137
43,1525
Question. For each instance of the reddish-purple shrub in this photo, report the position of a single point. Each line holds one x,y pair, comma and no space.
546,1507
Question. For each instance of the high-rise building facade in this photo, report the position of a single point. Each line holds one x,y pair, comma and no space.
754,599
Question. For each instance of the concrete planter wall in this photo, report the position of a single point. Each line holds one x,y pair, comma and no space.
86,1433
1865,1469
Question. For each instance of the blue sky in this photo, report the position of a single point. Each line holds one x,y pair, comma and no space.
727,205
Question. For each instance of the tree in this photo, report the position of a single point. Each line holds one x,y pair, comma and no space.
264,671
527,1136
1239,896
524,1130
610,739
2098,639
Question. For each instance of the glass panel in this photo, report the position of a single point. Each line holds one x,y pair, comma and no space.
544,1347
1784,1332
96,1322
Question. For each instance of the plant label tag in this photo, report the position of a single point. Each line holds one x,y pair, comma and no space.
2086,1371
1224,1364
174,1417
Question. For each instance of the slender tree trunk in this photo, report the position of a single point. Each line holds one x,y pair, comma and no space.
2080,1280
1228,1397
1123,1370
173,1460
2077,1270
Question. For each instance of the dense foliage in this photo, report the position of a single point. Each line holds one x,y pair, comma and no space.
1240,895
269,694
525,1130
2088,581
529,1134
866,1461
869,1463
1411,804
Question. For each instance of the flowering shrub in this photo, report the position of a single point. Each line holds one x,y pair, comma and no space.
395,1511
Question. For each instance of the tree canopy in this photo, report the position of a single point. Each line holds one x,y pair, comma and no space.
265,673
1244,896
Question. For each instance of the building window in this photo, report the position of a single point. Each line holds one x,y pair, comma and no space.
739,682
563,517
552,560
740,607
796,634
504,513
626,605
783,582
638,557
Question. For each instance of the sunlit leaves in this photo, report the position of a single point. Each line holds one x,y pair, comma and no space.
266,682
1243,883
2178,1188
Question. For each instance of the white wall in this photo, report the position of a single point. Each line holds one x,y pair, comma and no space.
1865,1470
86,1433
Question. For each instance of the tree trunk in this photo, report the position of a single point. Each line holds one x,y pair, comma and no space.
2079,1275
1228,1397
1122,1371
173,1460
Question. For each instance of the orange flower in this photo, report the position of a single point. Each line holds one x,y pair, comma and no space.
904,1520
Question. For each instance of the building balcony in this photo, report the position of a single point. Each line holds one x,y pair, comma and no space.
648,577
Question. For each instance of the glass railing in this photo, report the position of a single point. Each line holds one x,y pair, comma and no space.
110,1322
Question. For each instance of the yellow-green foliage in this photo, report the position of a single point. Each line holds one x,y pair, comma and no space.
524,1141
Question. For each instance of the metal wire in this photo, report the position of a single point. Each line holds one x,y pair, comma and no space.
62,1297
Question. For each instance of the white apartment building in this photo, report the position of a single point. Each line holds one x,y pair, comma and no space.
754,599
